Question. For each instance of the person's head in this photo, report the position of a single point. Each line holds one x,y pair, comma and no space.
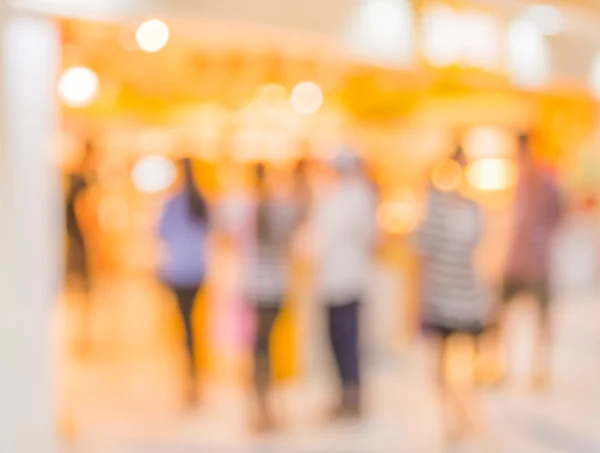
87,157
301,169
196,202
260,179
524,152
459,156
346,164
448,174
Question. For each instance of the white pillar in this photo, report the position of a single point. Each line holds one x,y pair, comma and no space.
30,225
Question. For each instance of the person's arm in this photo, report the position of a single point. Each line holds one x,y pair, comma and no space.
424,238
196,199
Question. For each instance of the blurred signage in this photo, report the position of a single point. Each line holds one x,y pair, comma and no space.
466,37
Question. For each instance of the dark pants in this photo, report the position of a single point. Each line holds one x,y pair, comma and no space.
186,299
344,335
266,315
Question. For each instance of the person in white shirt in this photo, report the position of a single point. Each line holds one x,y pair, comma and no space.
344,231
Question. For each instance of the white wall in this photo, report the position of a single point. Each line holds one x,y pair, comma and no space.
30,225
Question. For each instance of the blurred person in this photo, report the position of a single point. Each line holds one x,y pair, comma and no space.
537,213
79,223
256,221
274,219
453,299
302,190
183,230
344,231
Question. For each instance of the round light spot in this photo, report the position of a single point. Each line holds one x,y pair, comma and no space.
398,217
492,174
78,87
447,175
152,35
307,98
153,174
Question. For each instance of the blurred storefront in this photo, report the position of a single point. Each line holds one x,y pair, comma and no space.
246,92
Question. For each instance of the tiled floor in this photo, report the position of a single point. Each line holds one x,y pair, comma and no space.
130,405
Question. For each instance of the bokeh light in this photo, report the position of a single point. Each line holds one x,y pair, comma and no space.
152,35
447,175
307,98
453,36
153,174
78,87
480,142
547,18
492,174
398,216
382,31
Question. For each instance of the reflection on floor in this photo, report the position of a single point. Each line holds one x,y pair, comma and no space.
125,399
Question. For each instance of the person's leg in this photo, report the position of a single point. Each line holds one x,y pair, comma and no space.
456,388
475,415
344,332
336,341
450,422
496,335
79,275
265,320
351,358
543,356
186,298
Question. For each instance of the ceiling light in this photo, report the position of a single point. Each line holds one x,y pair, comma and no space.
307,98
153,174
152,35
78,86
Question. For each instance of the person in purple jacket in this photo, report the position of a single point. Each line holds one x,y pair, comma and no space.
183,230
538,211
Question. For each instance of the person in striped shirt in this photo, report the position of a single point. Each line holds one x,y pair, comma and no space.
262,231
453,298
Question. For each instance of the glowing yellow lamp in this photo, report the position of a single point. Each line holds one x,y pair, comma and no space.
492,174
